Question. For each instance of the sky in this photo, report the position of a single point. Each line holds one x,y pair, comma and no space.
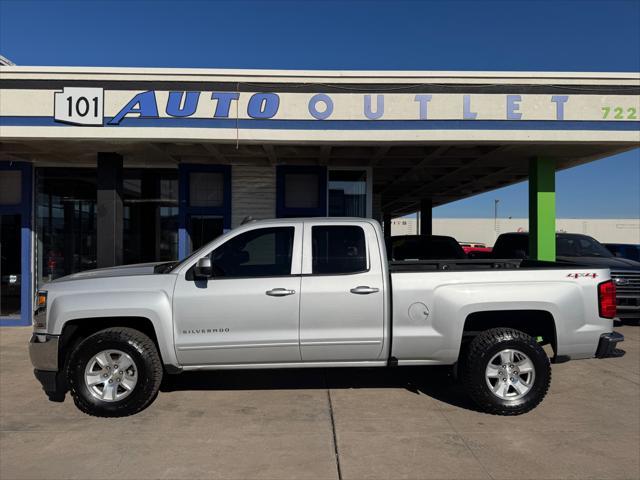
553,35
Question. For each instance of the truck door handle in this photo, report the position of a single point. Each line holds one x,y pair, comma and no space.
364,290
279,292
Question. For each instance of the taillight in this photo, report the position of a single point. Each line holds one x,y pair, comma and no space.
607,299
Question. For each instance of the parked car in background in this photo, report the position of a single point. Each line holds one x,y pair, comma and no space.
475,247
578,249
629,251
423,247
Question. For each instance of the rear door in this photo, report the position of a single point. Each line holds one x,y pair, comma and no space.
342,295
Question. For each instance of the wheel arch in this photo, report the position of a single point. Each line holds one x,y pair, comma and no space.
76,330
536,323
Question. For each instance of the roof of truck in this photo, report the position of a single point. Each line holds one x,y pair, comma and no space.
312,219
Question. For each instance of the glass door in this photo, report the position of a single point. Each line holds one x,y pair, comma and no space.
203,229
205,205
10,265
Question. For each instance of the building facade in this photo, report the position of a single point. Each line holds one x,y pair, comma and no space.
109,166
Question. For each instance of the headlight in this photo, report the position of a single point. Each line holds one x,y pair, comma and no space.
40,310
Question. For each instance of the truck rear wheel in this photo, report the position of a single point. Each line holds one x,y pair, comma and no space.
506,372
114,372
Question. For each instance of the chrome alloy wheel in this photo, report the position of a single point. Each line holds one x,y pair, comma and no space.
510,374
111,375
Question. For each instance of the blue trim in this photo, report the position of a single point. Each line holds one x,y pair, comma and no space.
282,210
185,210
24,210
275,124
14,322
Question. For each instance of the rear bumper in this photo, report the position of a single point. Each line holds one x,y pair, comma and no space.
607,345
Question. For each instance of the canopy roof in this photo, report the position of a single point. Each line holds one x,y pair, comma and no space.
443,135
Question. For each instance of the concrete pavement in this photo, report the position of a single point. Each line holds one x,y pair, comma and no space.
396,423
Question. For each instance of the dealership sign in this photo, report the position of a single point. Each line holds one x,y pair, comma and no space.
99,107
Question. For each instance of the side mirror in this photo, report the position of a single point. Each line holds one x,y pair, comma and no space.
203,268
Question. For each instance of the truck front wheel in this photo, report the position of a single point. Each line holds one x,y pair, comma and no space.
506,372
114,372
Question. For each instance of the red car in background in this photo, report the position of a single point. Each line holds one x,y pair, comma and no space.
475,247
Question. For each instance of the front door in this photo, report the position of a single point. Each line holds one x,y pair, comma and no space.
248,312
342,304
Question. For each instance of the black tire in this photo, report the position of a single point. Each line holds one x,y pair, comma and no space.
142,351
480,352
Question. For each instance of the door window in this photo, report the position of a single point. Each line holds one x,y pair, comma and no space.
338,249
265,252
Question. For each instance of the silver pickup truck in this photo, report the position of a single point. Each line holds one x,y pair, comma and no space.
316,292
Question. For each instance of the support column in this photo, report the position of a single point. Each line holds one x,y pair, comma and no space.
109,217
386,224
426,216
542,209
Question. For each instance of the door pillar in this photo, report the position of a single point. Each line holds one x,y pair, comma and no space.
542,209
110,210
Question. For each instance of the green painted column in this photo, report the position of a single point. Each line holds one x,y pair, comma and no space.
542,209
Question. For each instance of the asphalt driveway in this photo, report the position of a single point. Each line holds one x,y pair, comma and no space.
350,424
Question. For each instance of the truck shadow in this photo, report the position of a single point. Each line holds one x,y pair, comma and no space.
435,382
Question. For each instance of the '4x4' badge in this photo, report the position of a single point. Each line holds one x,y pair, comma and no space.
582,275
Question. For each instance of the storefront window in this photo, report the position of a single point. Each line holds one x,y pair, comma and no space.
301,191
347,193
150,201
206,189
66,207
10,271
65,222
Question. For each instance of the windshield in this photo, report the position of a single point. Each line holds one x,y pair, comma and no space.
580,246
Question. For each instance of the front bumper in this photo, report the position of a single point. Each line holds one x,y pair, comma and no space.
607,345
43,351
